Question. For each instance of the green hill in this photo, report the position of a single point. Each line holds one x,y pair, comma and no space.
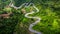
17,23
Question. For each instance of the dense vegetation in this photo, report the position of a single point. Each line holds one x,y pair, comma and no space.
17,23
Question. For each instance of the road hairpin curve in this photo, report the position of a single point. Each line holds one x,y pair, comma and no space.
26,15
37,20
12,5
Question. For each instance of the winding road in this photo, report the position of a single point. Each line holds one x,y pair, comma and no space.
27,16
37,20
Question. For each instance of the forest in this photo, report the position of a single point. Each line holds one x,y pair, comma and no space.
13,21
